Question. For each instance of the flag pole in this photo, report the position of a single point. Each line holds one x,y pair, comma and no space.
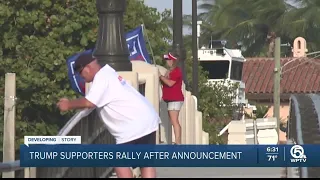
146,34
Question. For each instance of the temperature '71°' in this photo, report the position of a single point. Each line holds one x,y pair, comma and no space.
272,157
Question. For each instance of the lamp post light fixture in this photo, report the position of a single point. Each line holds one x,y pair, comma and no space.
111,46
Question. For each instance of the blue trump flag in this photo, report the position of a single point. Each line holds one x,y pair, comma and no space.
76,81
137,50
137,46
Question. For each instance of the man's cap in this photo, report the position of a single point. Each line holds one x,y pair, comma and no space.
82,61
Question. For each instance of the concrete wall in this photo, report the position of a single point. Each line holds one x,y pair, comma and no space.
284,112
249,131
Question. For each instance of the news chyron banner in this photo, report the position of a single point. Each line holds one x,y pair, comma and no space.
67,151
53,140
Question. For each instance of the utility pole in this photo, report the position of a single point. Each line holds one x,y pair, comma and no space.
194,49
9,126
276,83
177,44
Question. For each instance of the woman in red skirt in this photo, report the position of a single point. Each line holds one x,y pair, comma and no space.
172,92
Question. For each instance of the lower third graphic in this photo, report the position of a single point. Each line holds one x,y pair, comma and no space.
297,153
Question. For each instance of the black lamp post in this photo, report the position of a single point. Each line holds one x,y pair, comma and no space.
194,50
111,46
178,36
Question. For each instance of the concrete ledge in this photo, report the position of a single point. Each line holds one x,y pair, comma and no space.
268,136
262,123
205,137
237,127
237,136
237,142
198,127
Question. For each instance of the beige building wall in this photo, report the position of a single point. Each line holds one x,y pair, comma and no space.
284,112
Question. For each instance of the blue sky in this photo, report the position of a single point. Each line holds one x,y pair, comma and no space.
167,4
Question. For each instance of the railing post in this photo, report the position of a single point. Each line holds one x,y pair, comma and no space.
27,172
9,121
255,131
33,172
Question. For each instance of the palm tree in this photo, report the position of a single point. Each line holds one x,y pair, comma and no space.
252,23
303,21
187,23
256,23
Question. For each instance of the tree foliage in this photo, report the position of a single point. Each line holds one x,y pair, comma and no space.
156,28
261,111
252,23
36,38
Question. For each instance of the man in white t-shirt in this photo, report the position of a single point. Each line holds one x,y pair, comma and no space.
128,115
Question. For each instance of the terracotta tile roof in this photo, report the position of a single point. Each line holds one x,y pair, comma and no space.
299,76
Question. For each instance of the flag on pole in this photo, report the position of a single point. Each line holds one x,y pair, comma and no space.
137,46
77,82
137,49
